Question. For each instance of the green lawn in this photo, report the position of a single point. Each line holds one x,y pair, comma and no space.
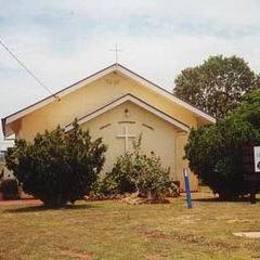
114,230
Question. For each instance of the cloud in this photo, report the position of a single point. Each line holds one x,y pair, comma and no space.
63,42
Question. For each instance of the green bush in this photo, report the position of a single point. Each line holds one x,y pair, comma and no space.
215,152
57,167
120,180
10,189
2,171
138,172
104,187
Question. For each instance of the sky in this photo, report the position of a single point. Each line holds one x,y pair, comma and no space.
65,41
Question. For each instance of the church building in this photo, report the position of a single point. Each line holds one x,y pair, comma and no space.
118,105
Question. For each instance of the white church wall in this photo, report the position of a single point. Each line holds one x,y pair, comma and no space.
157,135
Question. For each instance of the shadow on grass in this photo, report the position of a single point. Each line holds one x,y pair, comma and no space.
44,208
216,199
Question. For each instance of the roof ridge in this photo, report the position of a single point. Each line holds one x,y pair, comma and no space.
111,102
113,67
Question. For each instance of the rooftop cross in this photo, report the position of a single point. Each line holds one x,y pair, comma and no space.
116,50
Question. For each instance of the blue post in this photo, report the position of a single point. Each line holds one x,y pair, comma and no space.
187,188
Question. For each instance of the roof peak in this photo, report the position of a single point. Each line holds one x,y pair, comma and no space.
99,74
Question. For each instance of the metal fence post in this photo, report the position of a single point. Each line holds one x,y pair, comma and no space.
187,188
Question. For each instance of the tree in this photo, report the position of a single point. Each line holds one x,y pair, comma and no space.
216,86
215,153
57,167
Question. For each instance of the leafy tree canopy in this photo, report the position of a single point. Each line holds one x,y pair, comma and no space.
217,85
215,152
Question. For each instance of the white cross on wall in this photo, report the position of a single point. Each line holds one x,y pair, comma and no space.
126,135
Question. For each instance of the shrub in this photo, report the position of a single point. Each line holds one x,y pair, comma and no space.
138,172
104,188
119,180
10,189
2,171
215,152
58,167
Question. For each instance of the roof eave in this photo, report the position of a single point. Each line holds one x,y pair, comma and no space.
170,95
114,67
129,97
3,120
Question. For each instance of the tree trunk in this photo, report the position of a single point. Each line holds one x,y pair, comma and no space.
149,195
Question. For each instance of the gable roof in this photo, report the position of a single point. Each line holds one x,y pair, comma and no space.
113,68
139,102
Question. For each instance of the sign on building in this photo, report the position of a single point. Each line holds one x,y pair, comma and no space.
257,158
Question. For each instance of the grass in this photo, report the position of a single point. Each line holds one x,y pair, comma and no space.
114,230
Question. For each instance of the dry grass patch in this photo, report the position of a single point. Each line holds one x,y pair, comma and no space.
115,230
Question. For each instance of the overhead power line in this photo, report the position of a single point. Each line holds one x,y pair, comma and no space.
12,54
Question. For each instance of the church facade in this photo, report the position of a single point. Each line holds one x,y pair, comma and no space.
119,106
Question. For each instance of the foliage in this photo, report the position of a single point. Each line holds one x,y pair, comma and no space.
10,190
216,152
136,171
105,187
1,173
216,86
58,167
121,179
